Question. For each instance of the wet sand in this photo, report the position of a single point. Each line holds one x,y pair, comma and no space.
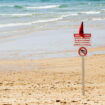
55,81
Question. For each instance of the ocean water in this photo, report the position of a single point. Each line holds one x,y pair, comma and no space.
28,13
21,19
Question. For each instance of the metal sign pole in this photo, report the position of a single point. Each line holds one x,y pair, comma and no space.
83,52
83,76
82,39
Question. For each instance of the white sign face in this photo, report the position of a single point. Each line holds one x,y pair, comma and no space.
82,41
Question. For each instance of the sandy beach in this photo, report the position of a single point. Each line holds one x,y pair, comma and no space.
43,68
55,81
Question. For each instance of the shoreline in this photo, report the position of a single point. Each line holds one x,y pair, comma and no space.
46,44
38,55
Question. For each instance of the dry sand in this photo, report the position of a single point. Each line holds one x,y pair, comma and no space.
55,81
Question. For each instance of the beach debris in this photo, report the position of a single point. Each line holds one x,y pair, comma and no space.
63,102
74,101
57,100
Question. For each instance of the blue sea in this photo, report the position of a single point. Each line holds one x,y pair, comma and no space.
27,25
29,13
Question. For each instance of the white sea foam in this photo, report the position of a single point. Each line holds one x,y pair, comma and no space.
29,14
91,12
94,19
34,22
43,7
21,15
18,15
31,7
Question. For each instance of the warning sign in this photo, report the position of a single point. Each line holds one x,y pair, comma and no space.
82,39
82,51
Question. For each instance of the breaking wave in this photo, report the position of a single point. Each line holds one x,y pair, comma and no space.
35,7
20,15
90,12
34,22
43,7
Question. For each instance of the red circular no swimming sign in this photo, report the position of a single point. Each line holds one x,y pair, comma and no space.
82,51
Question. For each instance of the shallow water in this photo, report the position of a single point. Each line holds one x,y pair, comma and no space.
17,13
43,29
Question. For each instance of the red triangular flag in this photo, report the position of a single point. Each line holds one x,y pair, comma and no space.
81,30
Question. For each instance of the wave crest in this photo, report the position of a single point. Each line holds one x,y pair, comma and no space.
63,6
90,12
18,6
35,7
43,7
34,22
20,15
